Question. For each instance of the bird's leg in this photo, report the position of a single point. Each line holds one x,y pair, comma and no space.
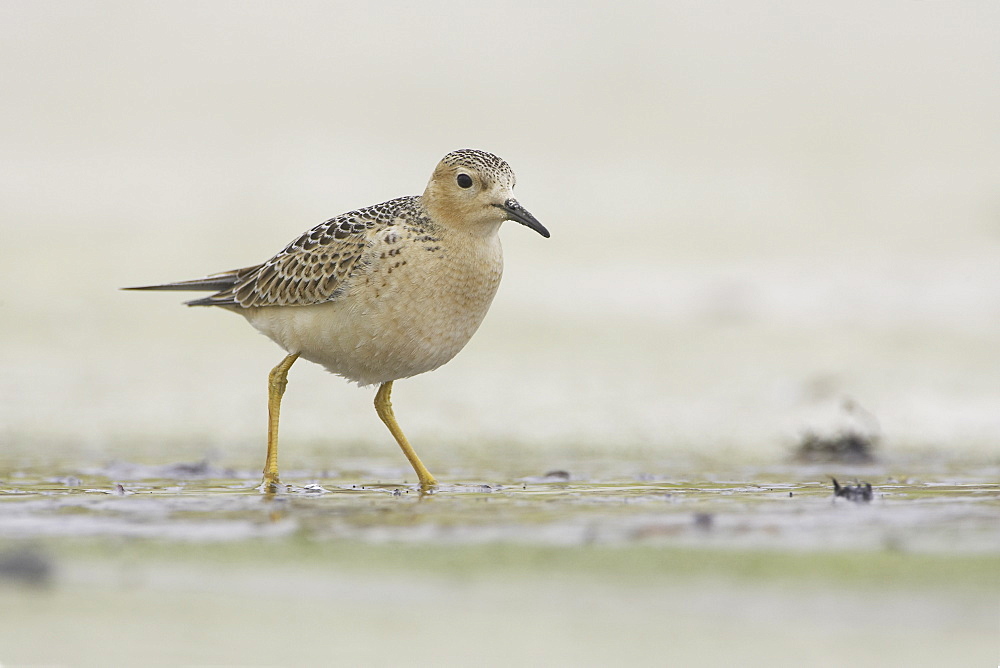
276,382
384,409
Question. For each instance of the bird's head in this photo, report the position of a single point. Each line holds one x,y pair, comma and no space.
473,191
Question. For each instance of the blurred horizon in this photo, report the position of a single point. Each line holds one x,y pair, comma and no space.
757,211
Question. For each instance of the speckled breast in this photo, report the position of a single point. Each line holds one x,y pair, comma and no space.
410,308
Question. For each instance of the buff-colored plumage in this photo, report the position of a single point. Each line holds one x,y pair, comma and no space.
385,292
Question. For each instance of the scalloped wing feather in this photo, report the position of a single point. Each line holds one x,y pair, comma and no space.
316,267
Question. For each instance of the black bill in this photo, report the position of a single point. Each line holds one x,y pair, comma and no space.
517,212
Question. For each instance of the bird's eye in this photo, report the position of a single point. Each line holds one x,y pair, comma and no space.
464,181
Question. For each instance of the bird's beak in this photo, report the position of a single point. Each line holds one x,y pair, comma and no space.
517,212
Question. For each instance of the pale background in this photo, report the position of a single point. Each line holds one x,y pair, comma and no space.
757,209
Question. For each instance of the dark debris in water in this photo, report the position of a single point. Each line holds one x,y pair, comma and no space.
860,492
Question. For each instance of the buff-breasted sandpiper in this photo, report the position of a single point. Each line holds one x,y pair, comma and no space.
382,293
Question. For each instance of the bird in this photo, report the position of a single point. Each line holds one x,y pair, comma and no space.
381,293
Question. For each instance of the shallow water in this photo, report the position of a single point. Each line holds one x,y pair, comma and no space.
561,568
786,507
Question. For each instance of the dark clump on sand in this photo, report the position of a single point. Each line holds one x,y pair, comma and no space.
854,442
848,447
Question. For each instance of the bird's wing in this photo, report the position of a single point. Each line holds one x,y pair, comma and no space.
314,268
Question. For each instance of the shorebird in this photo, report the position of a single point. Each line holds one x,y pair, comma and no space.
382,293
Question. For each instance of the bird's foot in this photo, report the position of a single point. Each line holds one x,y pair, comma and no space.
271,485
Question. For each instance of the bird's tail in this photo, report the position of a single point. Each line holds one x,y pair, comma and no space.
213,283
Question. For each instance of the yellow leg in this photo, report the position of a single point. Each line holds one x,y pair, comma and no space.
384,409
276,382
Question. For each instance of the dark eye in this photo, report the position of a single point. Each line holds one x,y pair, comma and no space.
464,181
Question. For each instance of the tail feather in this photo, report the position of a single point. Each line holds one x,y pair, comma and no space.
213,283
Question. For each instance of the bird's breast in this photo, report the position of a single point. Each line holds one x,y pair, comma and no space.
410,308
